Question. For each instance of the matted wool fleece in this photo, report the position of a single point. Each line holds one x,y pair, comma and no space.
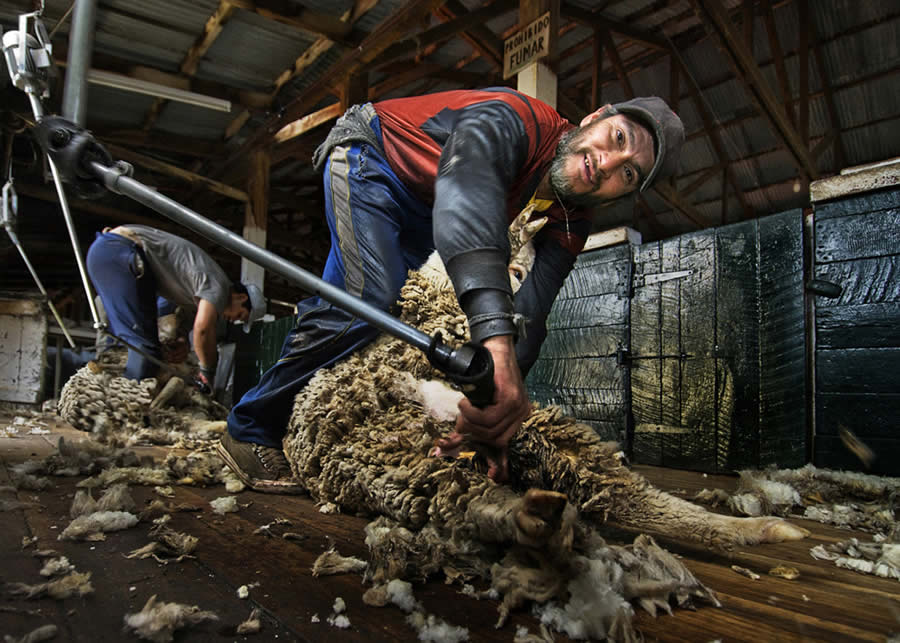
360,436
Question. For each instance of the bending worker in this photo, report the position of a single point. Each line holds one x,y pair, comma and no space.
451,170
131,265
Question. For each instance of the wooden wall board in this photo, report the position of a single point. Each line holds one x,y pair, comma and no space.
857,352
578,368
862,280
23,350
783,418
646,370
867,415
600,309
598,401
830,452
729,358
858,370
596,273
714,366
873,234
737,344
582,373
858,326
857,204
587,341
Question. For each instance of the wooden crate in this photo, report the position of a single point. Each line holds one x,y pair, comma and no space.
23,349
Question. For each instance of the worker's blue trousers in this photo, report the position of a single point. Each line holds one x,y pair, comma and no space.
379,231
128,293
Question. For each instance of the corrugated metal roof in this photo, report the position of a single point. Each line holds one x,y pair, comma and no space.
193,122
158,32
336,8
870,144
114,106
251,52
184,15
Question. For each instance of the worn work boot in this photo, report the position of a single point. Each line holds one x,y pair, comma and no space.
259,467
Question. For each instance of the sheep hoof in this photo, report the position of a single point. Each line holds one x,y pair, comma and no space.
776,530
174,386
539,516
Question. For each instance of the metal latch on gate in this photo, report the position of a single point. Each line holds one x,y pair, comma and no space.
659,277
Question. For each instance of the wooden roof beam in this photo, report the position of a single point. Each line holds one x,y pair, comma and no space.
479,36
777,55
820,144
644,12
302,125
597,21
675,199
803,71
596,70
187,146
211,30
114,65
617,63
409,45
308,20
386,34
162,167
412,74
307,58
840,154
703,178
94,208
714,132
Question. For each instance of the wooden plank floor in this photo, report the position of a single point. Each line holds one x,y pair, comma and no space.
824,604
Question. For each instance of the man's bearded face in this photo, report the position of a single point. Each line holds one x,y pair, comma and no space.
601,161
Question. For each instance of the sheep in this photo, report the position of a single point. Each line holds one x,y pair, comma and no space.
97,399
361,437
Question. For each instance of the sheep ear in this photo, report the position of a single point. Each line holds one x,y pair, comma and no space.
532,228
522,218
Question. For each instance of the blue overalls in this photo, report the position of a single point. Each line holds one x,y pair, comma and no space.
127,288
379,231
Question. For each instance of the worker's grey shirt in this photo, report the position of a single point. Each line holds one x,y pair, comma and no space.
185,274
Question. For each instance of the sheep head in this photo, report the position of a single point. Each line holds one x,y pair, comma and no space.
522,231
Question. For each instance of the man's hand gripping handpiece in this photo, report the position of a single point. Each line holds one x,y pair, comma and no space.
493,426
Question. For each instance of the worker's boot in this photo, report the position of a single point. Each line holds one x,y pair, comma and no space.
259,467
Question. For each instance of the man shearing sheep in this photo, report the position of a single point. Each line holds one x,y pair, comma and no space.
450,170
131,265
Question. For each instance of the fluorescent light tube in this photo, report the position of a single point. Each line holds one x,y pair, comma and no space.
119,81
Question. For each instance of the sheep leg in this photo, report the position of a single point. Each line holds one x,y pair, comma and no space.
550,447
170,390
646,508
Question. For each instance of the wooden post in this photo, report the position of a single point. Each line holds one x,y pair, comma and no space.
256,213
355,90
538,79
